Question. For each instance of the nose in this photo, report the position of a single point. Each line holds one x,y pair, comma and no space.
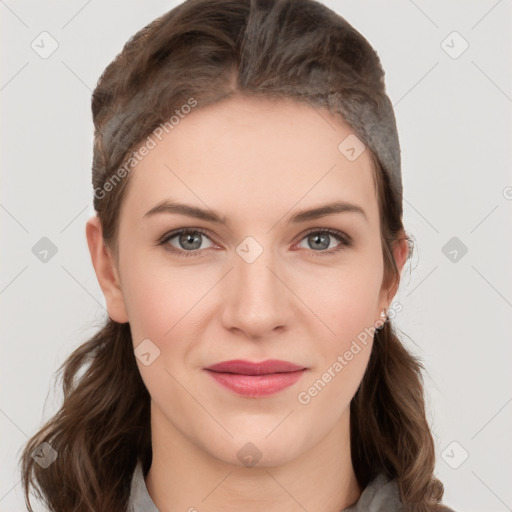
256,298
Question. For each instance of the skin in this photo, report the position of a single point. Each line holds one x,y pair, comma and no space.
257,162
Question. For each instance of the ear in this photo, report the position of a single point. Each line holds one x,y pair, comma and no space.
106,271
400,253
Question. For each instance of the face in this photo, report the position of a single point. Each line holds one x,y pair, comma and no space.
263,284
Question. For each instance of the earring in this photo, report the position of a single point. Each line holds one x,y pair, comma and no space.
384,319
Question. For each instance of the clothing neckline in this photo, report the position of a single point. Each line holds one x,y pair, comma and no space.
380,495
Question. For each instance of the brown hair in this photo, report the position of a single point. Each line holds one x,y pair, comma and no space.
209,50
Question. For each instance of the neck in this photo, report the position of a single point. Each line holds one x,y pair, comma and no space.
186,477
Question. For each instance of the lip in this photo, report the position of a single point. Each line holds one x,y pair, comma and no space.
256,379
242,367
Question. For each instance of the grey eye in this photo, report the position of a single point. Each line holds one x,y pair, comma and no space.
320,240
189,240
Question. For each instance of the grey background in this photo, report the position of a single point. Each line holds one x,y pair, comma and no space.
454,120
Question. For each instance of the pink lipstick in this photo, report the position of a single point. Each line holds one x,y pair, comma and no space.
256,379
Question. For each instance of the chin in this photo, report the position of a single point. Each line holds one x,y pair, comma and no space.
256,448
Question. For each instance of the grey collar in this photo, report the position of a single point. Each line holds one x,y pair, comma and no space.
381,495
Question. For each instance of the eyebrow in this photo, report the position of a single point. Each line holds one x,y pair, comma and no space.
173,207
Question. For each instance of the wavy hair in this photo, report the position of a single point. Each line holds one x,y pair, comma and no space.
210,50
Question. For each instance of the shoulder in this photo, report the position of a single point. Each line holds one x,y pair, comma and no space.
382,495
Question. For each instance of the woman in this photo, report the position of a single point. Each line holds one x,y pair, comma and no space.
249,243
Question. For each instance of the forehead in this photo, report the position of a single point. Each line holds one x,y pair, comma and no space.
255,157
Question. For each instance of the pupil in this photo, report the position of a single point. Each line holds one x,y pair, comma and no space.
318,240
189,239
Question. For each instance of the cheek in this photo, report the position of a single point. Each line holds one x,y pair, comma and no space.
169,305
345,299
159,297
347,305
327,395
345,353
162,303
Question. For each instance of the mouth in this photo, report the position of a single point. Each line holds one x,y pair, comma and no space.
256,379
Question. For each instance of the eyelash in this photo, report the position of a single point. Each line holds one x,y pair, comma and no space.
345,241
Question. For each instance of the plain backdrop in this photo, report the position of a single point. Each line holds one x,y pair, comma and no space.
449,77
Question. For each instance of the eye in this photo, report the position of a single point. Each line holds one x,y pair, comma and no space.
321,239
188,240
